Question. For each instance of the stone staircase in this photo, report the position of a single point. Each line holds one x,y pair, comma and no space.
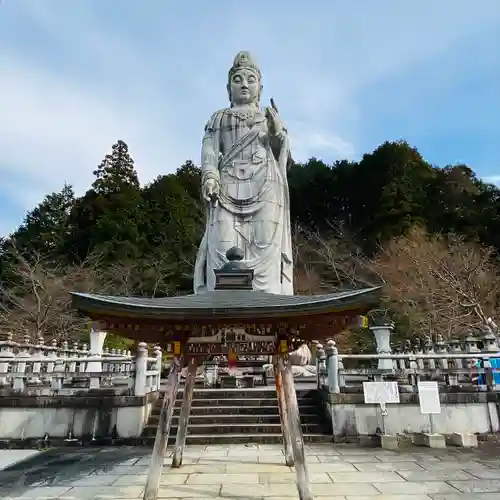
221,416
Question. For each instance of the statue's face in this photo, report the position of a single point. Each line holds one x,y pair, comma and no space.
244,87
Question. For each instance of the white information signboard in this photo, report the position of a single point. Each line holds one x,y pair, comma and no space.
428,395
381,393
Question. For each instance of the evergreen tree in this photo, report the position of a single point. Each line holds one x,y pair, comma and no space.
320,193
108,218
147,238
173,225
487,215
189,176
116,172
45,229
389,192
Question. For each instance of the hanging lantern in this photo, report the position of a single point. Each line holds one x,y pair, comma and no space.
231,359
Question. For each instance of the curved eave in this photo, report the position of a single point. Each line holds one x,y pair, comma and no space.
221,305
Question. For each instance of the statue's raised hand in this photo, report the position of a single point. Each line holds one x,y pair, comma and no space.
210,190
276,126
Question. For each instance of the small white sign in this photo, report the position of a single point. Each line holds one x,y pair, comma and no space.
381,392
428,395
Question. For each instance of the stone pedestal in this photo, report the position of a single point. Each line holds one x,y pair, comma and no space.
248,381
464,440
97,338
230,382
388,442
367,441
429,440
382,335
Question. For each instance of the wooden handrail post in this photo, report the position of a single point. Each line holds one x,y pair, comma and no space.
187,399
161,439
285,428
303,482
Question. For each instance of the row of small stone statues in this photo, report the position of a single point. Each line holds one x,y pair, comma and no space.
63,349
305,361
470,352
486,343
59,366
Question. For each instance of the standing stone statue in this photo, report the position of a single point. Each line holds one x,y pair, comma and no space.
244,162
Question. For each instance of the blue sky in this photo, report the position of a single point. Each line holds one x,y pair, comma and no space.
77,75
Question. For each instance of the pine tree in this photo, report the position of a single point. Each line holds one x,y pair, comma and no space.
116,172
189,176
45,229
107,217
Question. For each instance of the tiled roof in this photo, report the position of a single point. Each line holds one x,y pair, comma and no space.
225,303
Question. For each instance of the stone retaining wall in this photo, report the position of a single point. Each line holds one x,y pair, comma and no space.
93,415
461,412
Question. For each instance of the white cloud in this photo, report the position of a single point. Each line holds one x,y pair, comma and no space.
54,130
493,179
57,121
306,142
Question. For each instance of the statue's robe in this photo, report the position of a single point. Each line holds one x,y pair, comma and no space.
253,209
300,362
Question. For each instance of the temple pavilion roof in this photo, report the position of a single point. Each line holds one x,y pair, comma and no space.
226,304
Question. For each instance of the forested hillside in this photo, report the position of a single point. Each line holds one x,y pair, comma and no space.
429,233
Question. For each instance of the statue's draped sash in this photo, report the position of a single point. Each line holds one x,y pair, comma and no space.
253,209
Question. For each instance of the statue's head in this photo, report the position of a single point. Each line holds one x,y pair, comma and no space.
244,80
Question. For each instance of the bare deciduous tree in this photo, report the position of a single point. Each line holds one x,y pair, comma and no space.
332,261
440,284
147,277
443,284
35,295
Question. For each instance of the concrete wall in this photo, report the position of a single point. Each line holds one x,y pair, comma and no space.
460,413
31,418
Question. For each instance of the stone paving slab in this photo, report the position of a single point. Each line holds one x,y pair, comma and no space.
12,457
460,496
256,473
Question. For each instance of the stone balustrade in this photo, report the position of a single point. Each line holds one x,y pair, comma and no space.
468,383
467,364
40,368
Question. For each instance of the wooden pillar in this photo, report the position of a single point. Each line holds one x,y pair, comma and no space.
161,439
280,394
180,439
303,483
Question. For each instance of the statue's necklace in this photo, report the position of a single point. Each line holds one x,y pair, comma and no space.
245,114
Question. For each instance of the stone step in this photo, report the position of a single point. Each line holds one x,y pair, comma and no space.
230,429
203,439
235,419
240,416
241,393
233,403
234,410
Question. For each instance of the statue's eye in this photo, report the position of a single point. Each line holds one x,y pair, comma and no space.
251,79
237,79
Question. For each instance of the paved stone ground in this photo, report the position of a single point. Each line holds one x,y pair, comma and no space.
11,457
257,472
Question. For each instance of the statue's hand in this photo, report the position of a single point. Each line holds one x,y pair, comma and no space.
277,127
210,190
